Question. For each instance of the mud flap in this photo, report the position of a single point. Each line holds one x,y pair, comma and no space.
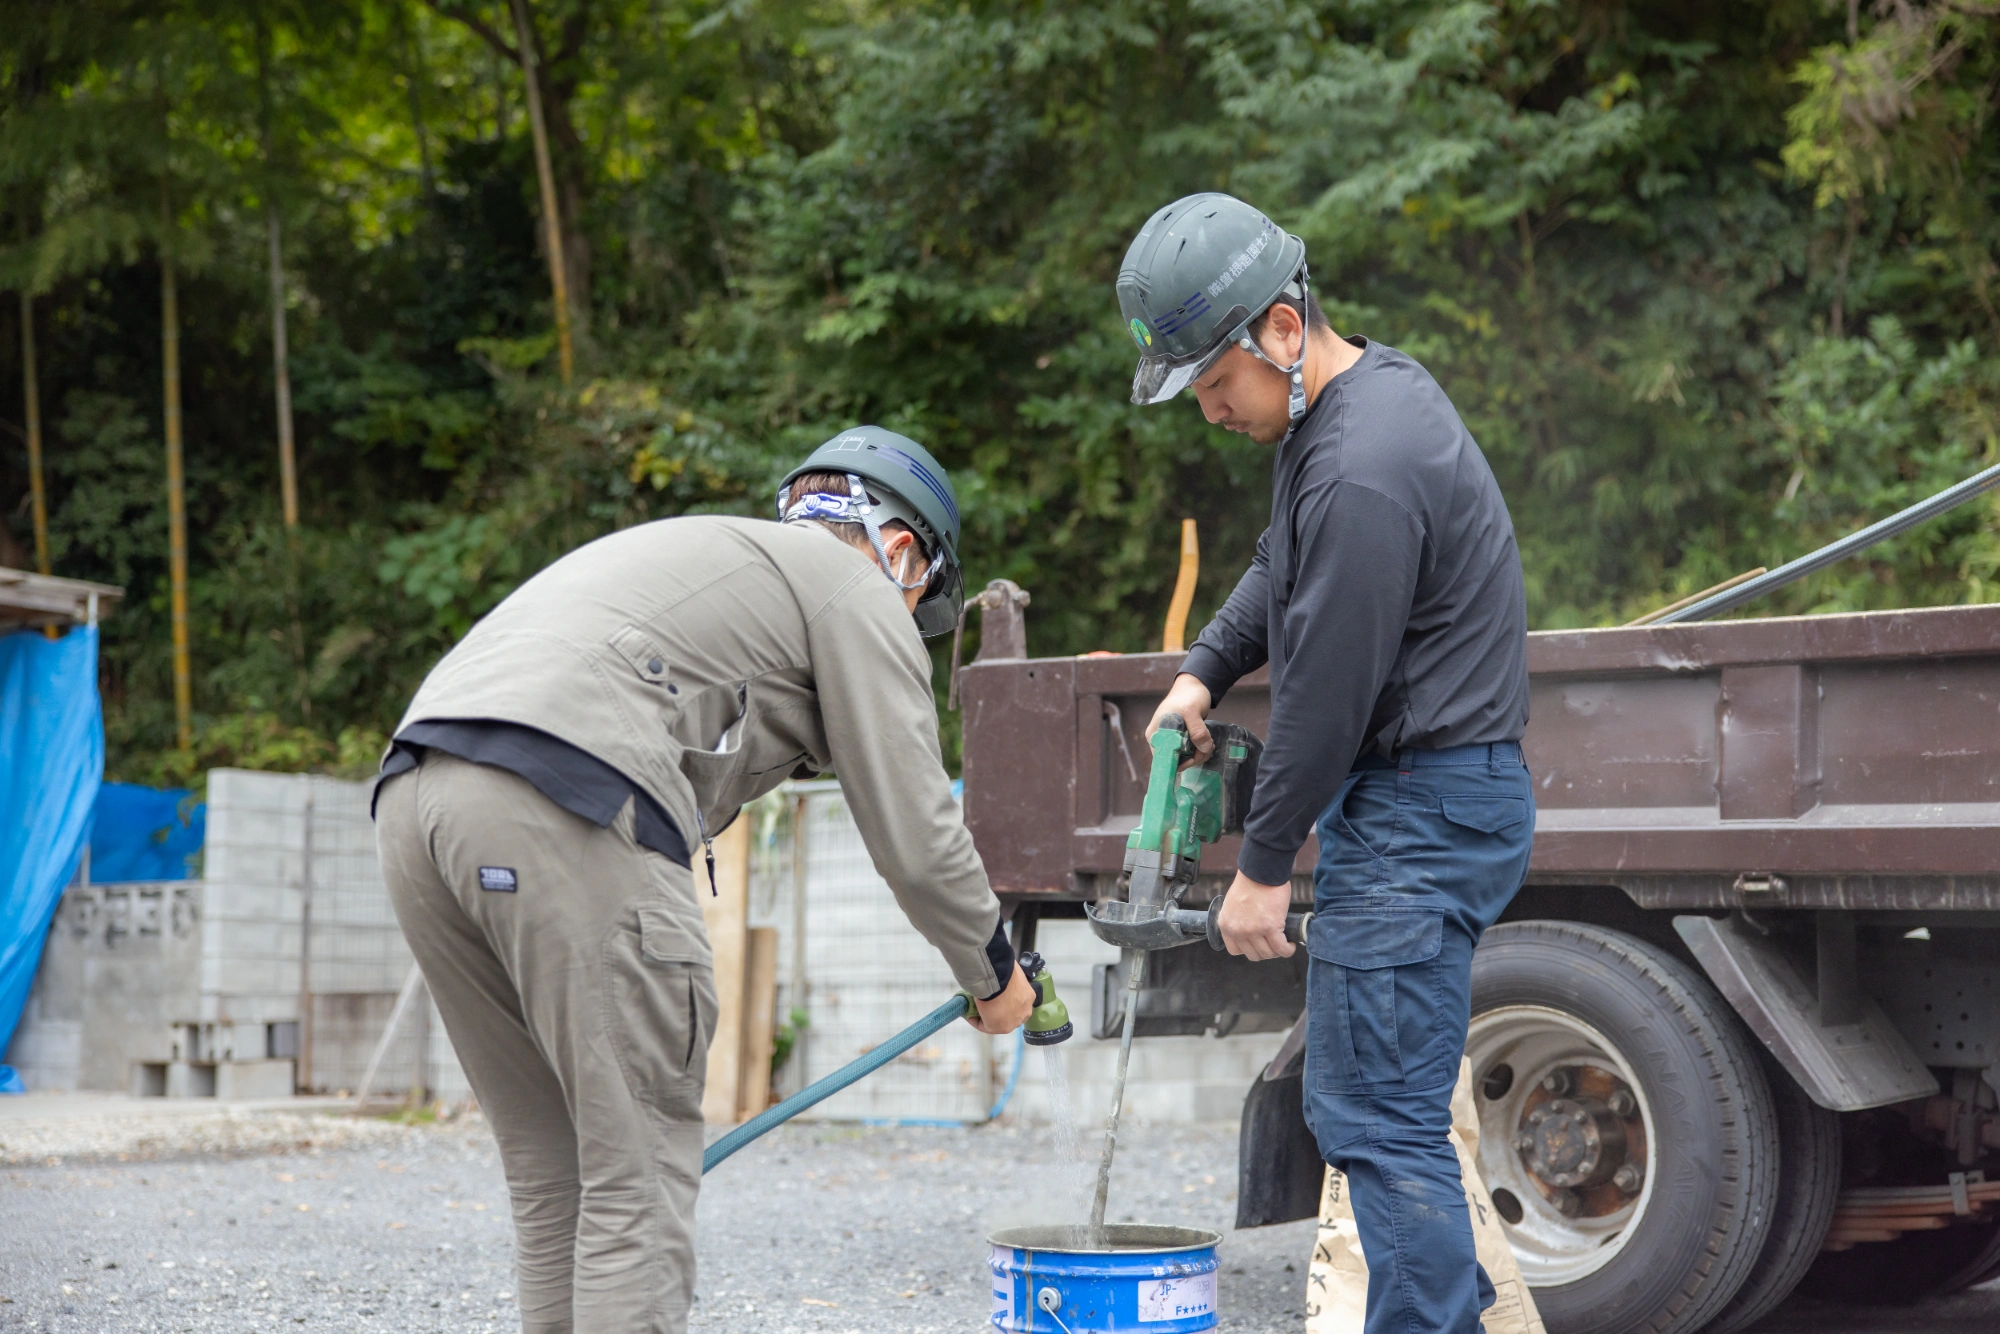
1279,1173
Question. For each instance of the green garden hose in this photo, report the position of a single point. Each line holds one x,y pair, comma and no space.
958,1007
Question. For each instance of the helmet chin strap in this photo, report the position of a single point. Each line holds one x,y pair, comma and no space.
854,507
1295,374
866,512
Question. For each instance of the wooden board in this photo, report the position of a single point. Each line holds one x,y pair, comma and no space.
727,916
760,1006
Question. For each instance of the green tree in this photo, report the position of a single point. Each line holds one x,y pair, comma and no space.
1711,283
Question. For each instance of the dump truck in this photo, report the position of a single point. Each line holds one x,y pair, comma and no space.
1738,1034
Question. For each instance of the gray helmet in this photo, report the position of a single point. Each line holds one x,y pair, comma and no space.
1198,273
891,476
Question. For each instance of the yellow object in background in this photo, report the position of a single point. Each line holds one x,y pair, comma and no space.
1175,639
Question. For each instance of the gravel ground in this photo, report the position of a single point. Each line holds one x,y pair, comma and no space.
374,1226
820,1229
123,1136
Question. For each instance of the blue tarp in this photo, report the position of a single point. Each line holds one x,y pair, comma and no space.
144,833
51,764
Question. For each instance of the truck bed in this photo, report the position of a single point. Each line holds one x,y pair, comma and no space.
1808,762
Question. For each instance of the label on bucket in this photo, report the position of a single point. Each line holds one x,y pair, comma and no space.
1003,1287
1176,1298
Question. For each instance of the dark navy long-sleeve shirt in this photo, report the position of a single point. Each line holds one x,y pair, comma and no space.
1386,595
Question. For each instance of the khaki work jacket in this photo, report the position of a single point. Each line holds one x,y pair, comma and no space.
709,658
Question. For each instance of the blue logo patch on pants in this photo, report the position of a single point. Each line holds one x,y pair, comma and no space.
498,878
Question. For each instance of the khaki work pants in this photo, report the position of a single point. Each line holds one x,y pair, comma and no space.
573,974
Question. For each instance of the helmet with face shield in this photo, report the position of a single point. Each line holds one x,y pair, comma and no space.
890,477
1199,272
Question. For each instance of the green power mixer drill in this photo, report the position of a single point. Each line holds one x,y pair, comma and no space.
1186,810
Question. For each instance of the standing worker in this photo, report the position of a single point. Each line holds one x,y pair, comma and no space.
545,792
1386,596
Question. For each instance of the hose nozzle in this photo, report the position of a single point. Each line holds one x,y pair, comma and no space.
1049,1022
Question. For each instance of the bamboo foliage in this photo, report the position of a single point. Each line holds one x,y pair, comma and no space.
31,401
545,175
170,368
281,370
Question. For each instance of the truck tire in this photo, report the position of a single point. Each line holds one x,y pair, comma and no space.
1808,1189
1627,1134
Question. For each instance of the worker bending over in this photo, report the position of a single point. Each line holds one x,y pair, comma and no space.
557,771
1386,596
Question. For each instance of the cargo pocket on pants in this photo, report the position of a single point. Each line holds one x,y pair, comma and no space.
1375,996
660,1010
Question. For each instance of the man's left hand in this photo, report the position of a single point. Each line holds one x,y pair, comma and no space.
1253,920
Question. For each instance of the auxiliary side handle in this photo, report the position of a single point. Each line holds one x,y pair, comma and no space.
1208,925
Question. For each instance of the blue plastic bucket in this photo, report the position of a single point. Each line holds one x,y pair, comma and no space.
1052,1280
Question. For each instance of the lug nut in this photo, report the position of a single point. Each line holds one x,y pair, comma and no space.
1556,1082
1524,1144
1628,1178
1622,1103
1567,1203
1539,1115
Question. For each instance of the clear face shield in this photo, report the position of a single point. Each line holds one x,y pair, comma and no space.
1160,378
937,611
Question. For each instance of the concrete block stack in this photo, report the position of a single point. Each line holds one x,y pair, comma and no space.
193,988
273,841
118,960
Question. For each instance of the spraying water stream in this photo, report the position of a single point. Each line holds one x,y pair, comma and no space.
1055,1068
1072,1176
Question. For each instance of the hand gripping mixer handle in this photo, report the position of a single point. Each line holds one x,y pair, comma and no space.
1208,925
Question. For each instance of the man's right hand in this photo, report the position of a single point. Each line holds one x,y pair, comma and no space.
1010,1009
1189,698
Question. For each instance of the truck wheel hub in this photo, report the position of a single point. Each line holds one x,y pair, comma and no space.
1564,1140
1570,1142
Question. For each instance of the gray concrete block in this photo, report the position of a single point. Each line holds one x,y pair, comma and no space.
254,1079
190,1079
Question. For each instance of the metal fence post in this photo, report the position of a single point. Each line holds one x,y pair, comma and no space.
305,1075
797,988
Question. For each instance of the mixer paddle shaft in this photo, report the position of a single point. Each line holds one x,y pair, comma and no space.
1135,965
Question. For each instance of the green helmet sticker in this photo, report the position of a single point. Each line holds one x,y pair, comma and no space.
1140,336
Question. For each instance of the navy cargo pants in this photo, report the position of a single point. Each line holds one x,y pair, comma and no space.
1417,858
